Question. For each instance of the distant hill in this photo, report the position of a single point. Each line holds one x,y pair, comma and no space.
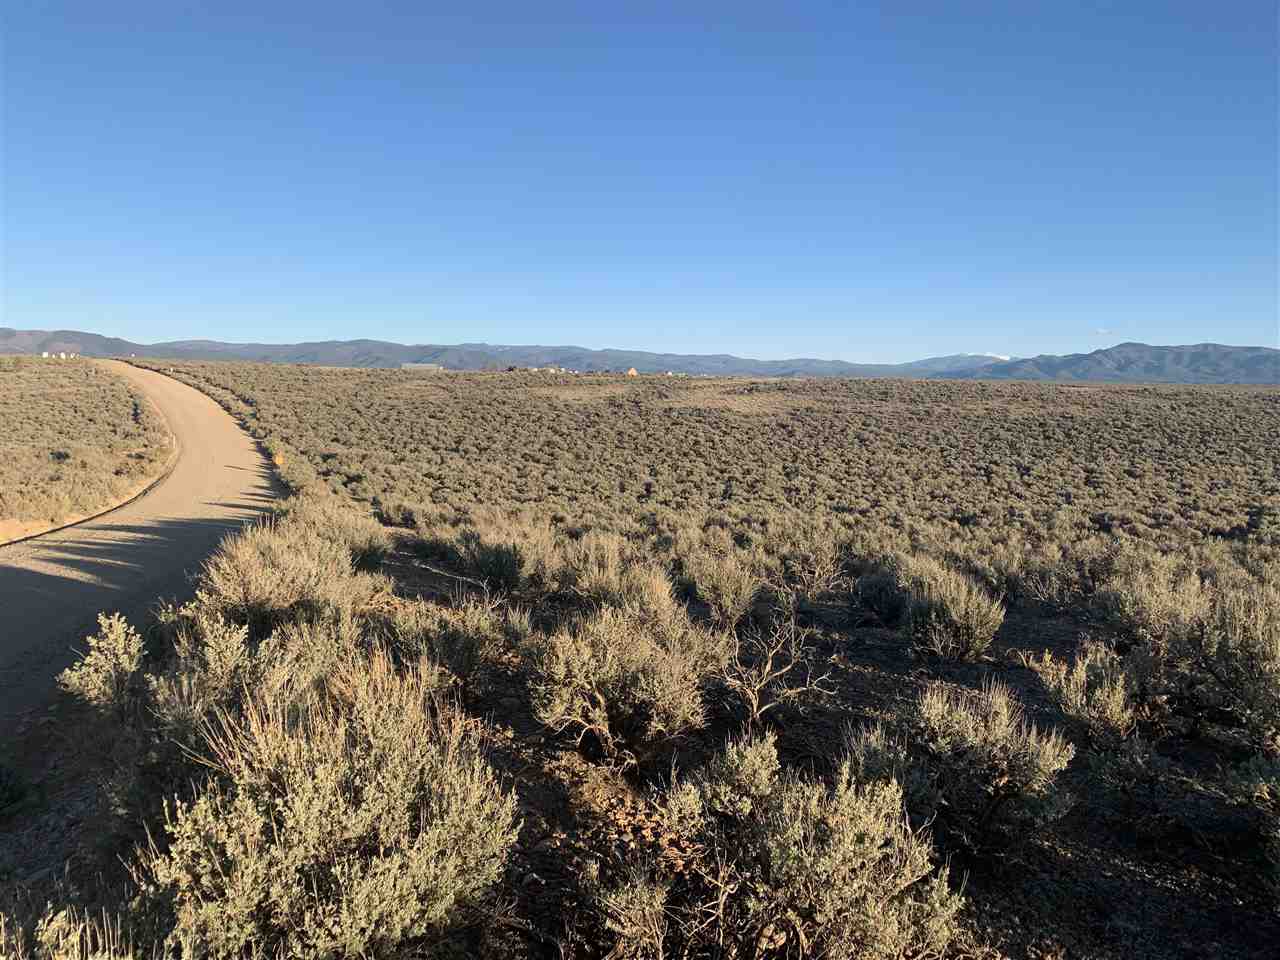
471,356
1128,362
1141,362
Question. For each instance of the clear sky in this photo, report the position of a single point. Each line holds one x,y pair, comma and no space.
851,180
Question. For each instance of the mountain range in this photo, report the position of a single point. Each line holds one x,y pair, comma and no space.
1124,363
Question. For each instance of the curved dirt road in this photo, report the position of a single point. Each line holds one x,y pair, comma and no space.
53,587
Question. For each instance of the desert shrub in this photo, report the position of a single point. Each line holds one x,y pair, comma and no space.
458,637
594,566
1206,635
108,675
360,822
948,615
881,591
1094,690
727,581
1235,650
496,564
969,762
65,933
300,656
1153,597
212,664
785,867
770,667
538,549
398,512
505,552
1255,786
335,520
273,572
625,681
812,558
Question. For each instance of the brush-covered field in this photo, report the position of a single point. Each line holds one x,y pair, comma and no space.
76,438
539,666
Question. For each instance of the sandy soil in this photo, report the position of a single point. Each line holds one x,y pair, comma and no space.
53,587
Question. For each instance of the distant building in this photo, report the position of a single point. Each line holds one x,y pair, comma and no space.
632,372
45,354
422,367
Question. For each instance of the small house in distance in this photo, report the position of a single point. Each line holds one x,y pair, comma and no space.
422,367
632,372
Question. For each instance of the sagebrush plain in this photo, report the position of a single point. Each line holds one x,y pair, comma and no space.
76,439
552,666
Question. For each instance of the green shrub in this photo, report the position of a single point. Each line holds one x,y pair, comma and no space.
948,615
785,867
360,822
967,761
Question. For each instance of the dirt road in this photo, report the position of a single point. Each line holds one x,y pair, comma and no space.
53,587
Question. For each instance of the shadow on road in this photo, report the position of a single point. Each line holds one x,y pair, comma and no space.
52,589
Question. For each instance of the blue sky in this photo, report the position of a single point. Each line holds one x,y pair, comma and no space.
861,181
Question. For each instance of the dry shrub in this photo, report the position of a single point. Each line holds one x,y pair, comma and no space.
68,934
812,558
1236,651
627,680
458,637
881,592
398,512
505,552
1154,598
337,520
968,761
212,665
286,569
728,581
362,821
594,566
948,615
76,439
785,867
1094,690
768,668
107,676
1207,636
